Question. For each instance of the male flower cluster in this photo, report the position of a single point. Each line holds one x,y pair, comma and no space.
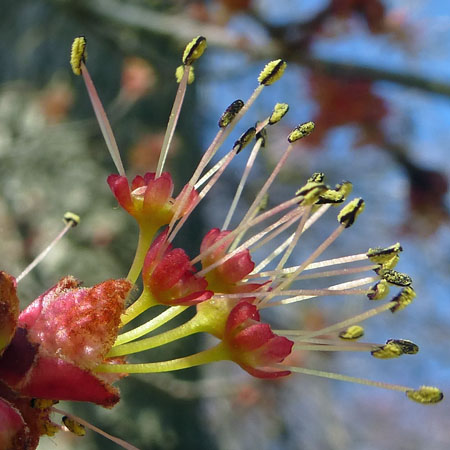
69,344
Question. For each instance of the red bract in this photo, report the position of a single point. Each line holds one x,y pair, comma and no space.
9,309
252,344
170,278
148,200
58,340
225,277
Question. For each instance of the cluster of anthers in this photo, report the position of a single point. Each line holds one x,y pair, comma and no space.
69,344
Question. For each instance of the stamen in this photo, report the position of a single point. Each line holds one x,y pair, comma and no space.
352,333
237,195
279,111
295,238
337,289
272,72
426,395
230,113
194,50
102,119
350,212
336,376
73,426
81,421
339,325
322,247
173,120
71,220
179,72
316,216
403,299
379,291
396,278
78,54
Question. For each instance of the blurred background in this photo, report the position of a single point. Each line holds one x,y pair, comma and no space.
374,75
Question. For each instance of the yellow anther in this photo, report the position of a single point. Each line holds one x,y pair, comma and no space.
388,351
71,218
317,177
391,263
42,403
180,71
78,54
352,333
403,299
49,428
272,72
194,50
301,131
350,212
74,426
337,195
245,139
230,113
394,277
426,395
310,193
331,196
279,111
345,188
264,202
381,255
378,291
408,347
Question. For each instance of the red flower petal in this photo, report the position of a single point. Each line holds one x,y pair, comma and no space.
121,190
158,192
252,337
239,314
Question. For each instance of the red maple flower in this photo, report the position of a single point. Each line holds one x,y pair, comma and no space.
170,277
252,344
149,200
226,276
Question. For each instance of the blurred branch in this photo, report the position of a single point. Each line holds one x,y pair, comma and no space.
182,28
